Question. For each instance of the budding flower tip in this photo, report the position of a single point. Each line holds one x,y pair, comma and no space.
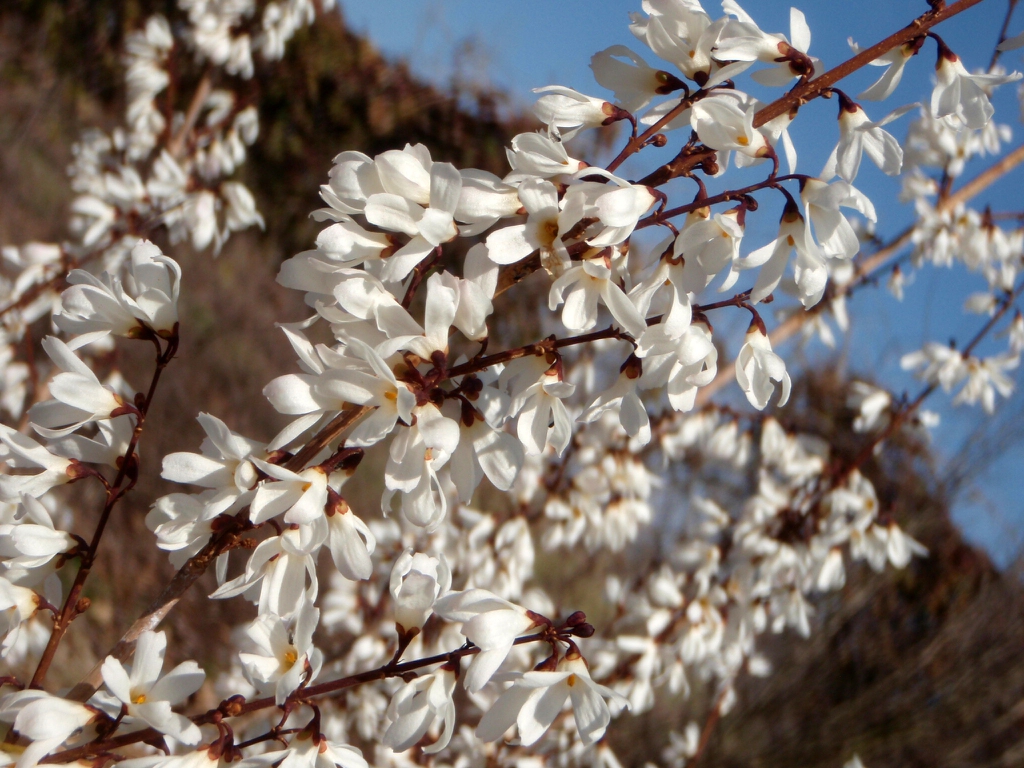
575,619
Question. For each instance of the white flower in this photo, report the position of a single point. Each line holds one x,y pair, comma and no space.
681,33
674,278
539,155
712,240
622,398
743,41
957,92
723,125
634,83
543,418
182,523
351,542
78,396
47,720
301,496
939,363
757,367
588,282
570,111
17,605
684,363
536,698
417,580
490,623
451,301
23,451
810,271
985,377
483,201
107,447
483,450
348,243
240,210
896,283
415,708
872,405
822,202
618,205
543,230
147,695
363,378
901,548
154,280
1015,334
224,465
308,750
286,654
96,306
416,454
403,172
280,566
30,542
427,227
896,60
859,135
353,179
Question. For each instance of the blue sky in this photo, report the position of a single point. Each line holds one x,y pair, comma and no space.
531,43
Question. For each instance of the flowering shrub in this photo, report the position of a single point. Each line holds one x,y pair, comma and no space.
600,438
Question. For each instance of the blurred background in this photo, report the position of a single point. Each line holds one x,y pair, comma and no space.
915,667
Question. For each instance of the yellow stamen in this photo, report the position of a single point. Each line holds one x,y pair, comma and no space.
548,232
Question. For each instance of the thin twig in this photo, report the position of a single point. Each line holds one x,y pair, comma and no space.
178,142
551,343
709,726
996,53
128,471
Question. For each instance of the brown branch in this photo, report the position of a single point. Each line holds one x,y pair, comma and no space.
177,143
334,428
234,708
128,471
709,726
636,143
551,343
805,91
722,197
